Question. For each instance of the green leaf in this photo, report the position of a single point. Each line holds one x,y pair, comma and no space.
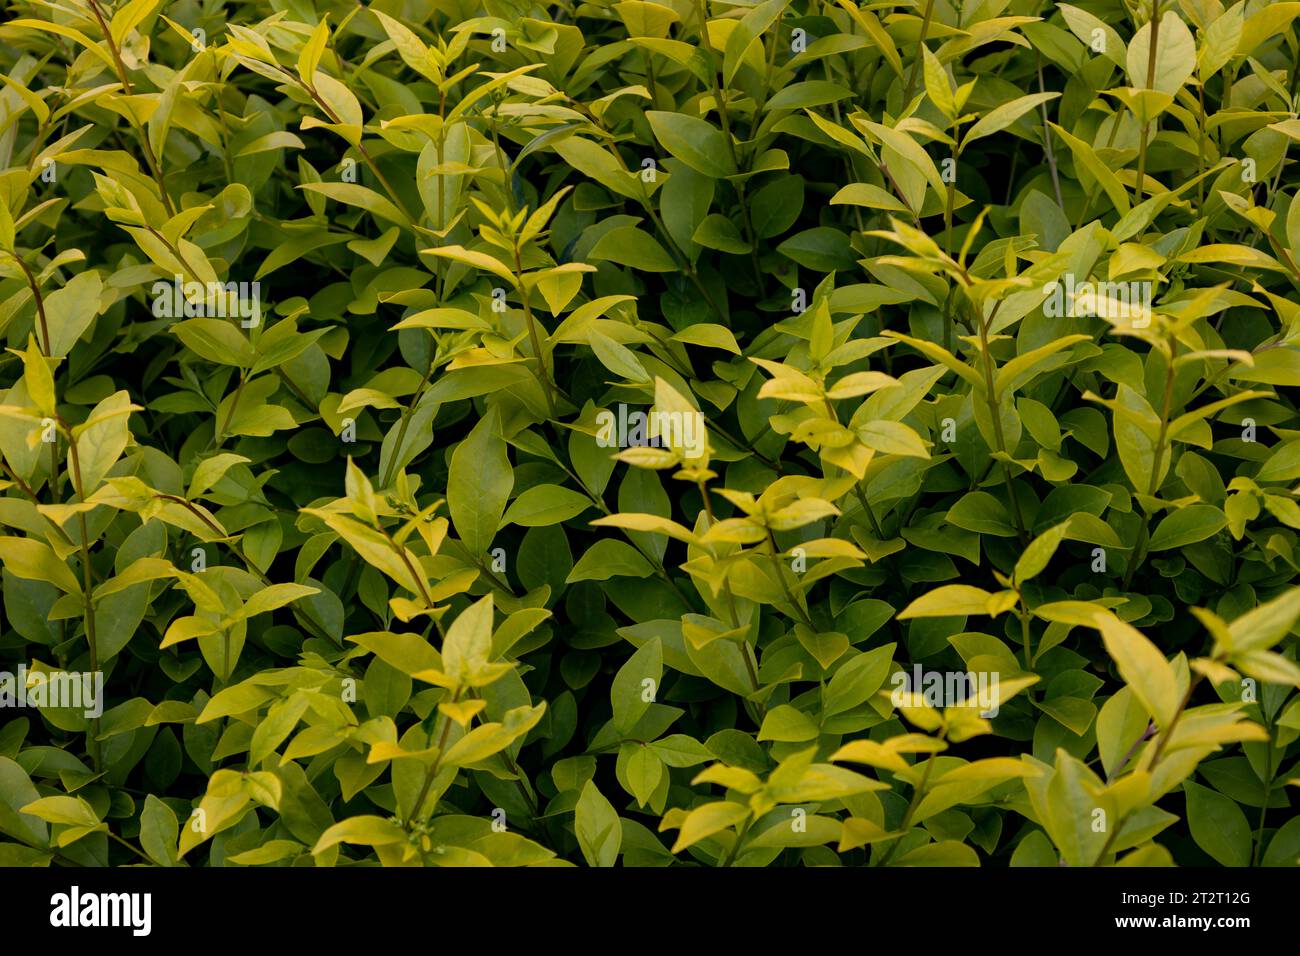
489,739
69,811
1000,117
6,225
1094,33
363,830
70,311
1284,463
1284,845
1035,558
1187,526
159,830
211,470
468,644
1264,626
719,232
753,25
217,340
636,685
543,505
36,561
597,827
821,248
695,142
609,558
644,772
310,55
1175,57
629,246
362,197
854,682
980,511
101,439
1143,667
798,96
274,596
950,600
787,724
708,334
706,820
892,438
1218,825
478,486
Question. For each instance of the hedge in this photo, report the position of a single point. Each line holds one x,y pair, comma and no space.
663,432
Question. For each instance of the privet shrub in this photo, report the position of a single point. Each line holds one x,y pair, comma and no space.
663,431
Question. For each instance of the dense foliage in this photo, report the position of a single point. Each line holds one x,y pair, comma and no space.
668,431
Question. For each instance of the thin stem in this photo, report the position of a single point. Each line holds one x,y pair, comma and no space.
88,587
800,610
662,230
920,52
1173,722
725,119
947,237
1268,794
746,652
403,425
1110,840
1200,148
402,554
1047,138
220,433
543,372
898,191
740,838
1025,635
507,169
130,846
1159,752
150,159
437,761
996,414
175,250
234,546
365,155
1153,483
719,100
917,795
492,579
31,493
1151,78
1128,754
40,303
653,560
